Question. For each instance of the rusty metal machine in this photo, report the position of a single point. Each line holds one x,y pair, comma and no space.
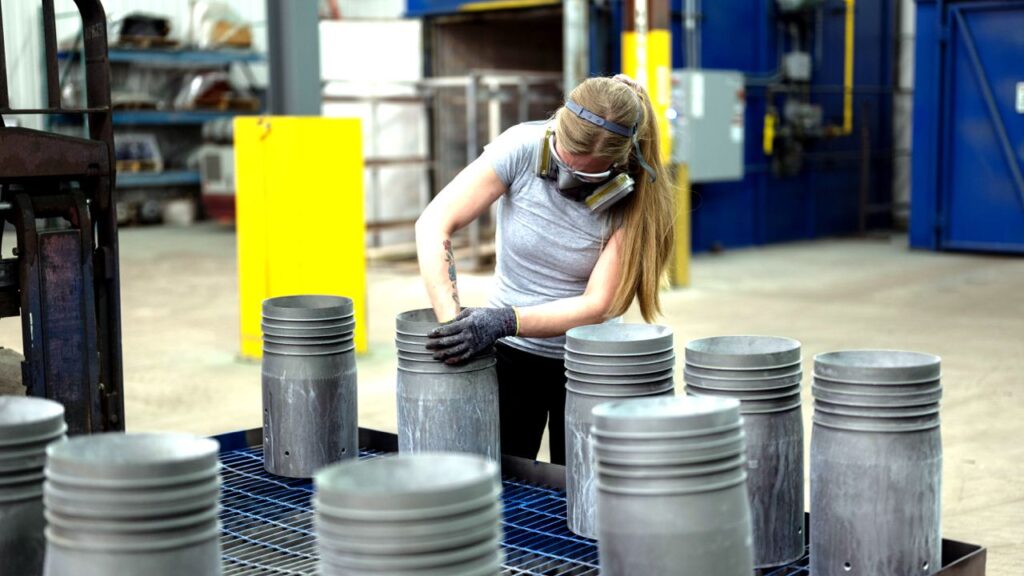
58,192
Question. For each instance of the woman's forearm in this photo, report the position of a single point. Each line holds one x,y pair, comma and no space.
554,318
437,266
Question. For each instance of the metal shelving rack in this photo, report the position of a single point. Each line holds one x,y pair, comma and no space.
172,60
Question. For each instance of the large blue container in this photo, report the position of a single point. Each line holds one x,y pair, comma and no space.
968,188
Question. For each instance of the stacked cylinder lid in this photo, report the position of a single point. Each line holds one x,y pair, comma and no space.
27,427
764,373
132,504
410,515
671,486
310,410
606,362
444,407
876,463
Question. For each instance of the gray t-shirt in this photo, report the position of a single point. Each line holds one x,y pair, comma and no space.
547,244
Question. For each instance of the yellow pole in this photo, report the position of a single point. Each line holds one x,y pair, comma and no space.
680,268
848,70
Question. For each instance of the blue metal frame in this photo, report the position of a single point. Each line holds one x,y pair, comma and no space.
968,186
158,179
154,117
188,58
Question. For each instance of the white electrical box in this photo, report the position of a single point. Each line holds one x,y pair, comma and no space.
707,117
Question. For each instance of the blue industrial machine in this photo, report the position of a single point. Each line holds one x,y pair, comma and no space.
968,188
825,168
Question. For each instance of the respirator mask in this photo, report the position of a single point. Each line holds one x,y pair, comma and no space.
599,190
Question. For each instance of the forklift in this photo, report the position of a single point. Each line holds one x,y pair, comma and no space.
58,193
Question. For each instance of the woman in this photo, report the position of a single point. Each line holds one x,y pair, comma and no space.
585,218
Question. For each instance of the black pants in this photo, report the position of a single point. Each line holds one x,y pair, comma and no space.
532,393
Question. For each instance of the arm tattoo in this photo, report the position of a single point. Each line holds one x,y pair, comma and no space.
449,257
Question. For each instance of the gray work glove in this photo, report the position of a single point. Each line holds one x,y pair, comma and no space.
473,331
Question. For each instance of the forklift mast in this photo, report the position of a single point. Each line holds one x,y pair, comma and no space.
58,192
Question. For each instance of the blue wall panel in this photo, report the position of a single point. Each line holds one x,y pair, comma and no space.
824,199
968,187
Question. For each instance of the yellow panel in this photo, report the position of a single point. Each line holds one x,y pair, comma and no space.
486,5
300,215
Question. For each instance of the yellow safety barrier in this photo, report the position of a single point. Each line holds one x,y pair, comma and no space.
299,206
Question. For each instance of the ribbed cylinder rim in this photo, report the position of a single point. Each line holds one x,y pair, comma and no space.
744,394
669,434
669,457
712,375
415,528
30,491
751,387
437,367
131,526
743,352
439,559
162,541
905,399
134,456
486,565
146,497
621,393
628,356
872,389
279,350
21,465
752,407
26,420
877,366
407,482
326,340
870,425
21,477
322,332
619,380
791,377
667,414
877,412
740,478
416,322
708,467
642,371
307,307
487,532
618,338
590,361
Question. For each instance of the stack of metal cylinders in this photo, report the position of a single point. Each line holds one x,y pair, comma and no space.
606,362
27,427
876,464
764,373
132,504
671,483
410,515
310,411
444,407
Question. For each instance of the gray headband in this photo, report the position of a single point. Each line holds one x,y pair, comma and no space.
599,121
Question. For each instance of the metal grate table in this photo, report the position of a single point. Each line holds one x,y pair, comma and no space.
268,525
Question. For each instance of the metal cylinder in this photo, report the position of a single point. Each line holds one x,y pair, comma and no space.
444,408
310,410
132,504
763,373
688,507
876,439
580,490
606,362
27,427
410,514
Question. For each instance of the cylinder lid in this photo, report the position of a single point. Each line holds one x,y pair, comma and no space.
882,366
132,456
617,338
666,414
743,352
307,307
27,419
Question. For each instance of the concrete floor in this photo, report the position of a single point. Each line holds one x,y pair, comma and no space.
182,371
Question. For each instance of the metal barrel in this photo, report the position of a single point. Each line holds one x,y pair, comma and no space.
27,426
689,508
606,362
428,513
764,374
580,491
876,438
132,504
310,409
441,407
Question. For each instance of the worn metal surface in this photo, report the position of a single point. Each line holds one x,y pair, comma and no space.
876,439
22,545
580,476
310,412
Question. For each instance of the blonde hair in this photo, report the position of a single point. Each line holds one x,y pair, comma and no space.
647,215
